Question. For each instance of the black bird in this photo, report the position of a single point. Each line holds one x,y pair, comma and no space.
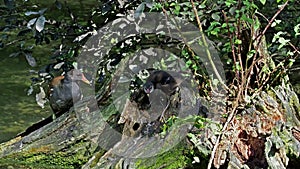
64,91
162,80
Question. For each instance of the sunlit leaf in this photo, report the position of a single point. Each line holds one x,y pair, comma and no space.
291,62
215,16
276,21
30,91
59,65
238,41
31,13
30,59
139,10
297,30
40,23
237,66
30,23
40,98
202,6
277,36
282,42
177,10
263,2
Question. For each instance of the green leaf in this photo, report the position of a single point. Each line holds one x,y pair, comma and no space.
238,41
247,19
237,66
163,64
40,23
188,63
224,25
177,10
215,31
297,30
139,10
30,59
277,36
257,24
31,13
250,54
263,1
291,62
276,22
232,10
282,42
202,6
215,16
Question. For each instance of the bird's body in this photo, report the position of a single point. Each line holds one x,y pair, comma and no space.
162,80
64,91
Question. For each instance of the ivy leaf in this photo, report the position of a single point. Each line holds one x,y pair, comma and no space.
215,16
139,10
177,10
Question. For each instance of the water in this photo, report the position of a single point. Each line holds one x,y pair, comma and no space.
17,110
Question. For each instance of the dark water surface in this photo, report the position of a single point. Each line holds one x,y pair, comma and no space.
17,110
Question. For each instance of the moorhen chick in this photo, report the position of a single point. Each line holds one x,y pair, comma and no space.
162,80
64,91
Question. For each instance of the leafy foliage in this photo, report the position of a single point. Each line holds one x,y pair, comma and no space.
258,41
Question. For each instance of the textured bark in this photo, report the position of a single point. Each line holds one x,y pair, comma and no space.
262,136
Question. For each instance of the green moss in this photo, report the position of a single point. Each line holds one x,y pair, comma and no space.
44,158
175,158
97,158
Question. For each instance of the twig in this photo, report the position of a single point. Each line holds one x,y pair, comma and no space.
248,74
231,43
207,49
239,50
230,117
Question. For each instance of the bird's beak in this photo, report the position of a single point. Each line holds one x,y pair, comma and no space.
84,79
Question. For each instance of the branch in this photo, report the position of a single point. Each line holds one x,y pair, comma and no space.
207,49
